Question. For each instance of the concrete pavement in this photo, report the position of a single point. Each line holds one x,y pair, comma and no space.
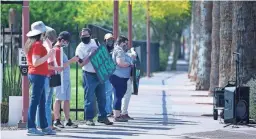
167,107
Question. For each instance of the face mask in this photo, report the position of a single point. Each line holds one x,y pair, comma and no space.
85,40
110,43
65,44
125,47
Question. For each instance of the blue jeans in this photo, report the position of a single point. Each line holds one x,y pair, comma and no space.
48,103
109,98
37,99
92,86
120,85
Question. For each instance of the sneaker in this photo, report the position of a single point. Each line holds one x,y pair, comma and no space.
48,131
69,123
34,132
120,119
58,124
90,123
105,121
55,129
126,116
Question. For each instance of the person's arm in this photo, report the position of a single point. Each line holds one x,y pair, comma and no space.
59,69
120,60
37,59
132,53
83,55
70,61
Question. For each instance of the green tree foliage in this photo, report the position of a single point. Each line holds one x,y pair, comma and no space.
167,18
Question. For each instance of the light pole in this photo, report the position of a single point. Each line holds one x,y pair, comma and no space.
115,19
25,83
130,23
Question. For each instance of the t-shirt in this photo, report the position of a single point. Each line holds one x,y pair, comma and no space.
83,50
121,72
37,49
57,50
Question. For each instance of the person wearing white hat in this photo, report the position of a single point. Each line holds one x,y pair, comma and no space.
37,57
109,43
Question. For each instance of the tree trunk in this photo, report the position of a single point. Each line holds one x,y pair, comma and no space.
192,39
205,47
176,53
214,77
225,42
244,40
196,35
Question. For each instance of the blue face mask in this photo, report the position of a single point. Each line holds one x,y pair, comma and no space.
65,44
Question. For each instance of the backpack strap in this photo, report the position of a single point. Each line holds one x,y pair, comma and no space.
97,41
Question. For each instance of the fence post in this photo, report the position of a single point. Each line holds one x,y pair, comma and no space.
77,33
2,67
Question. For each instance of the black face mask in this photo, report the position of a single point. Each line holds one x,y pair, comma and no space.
110,45
85,40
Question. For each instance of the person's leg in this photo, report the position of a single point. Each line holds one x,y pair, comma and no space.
66,109
66,104
42,112
101,99
43,120
90,83
126,100
120,86
37,83
56,110
48,102
109,100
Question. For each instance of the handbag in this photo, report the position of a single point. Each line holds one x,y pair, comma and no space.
55,80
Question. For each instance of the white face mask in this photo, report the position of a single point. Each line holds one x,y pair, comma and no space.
65,44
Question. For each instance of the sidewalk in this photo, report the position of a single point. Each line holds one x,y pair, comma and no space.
167,107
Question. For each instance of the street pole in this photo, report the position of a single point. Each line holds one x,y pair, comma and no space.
148,40
25,83
130,23
115,19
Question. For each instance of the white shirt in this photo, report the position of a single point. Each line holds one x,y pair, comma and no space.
83,50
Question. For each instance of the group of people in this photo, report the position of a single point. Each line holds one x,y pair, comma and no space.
45,59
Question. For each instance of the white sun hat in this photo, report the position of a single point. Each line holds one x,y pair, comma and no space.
37,28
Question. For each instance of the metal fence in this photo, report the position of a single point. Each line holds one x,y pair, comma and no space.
10,74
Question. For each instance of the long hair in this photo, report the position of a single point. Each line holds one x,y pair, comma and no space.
51,35
30,41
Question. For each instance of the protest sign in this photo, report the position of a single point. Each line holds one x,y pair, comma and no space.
102,63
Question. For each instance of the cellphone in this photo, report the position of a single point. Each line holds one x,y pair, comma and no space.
80,60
